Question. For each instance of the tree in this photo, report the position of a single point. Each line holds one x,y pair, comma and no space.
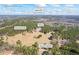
31,25
29,50
1,41
23,49
18,47
46,29
55,50
19,43
35,45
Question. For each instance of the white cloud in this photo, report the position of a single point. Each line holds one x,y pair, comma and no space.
56,9
23,13
71,9
55,5
40,8
9,5
69,5
40,5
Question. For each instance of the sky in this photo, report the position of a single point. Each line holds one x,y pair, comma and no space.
39,9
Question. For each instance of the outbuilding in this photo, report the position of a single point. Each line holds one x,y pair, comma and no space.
45,45
20,27
40,24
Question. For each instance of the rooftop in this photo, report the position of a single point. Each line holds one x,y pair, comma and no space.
45,45
40,24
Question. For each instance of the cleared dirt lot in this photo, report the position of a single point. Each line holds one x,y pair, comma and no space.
28,38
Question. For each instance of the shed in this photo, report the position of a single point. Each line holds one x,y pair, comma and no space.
45,45
40,24
38,29
20,27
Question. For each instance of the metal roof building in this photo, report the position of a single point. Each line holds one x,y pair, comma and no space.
40,24
45,45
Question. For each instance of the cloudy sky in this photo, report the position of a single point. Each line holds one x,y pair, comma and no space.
39,9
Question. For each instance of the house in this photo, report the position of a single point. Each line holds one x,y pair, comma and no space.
20,27
40,24
38,29
45,45
63,42
77,39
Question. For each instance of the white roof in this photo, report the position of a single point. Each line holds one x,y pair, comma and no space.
40,25
45,45
38,29
20,27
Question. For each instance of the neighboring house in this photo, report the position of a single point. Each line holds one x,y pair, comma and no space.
1,34
38,29
20,27
63,42
40,24
45,45
77,39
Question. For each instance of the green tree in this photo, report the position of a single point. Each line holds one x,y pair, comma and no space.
46,29
1,41
23,49
18,47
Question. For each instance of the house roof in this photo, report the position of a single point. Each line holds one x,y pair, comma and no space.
20,27
38,29
40,24
64,41
45,45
